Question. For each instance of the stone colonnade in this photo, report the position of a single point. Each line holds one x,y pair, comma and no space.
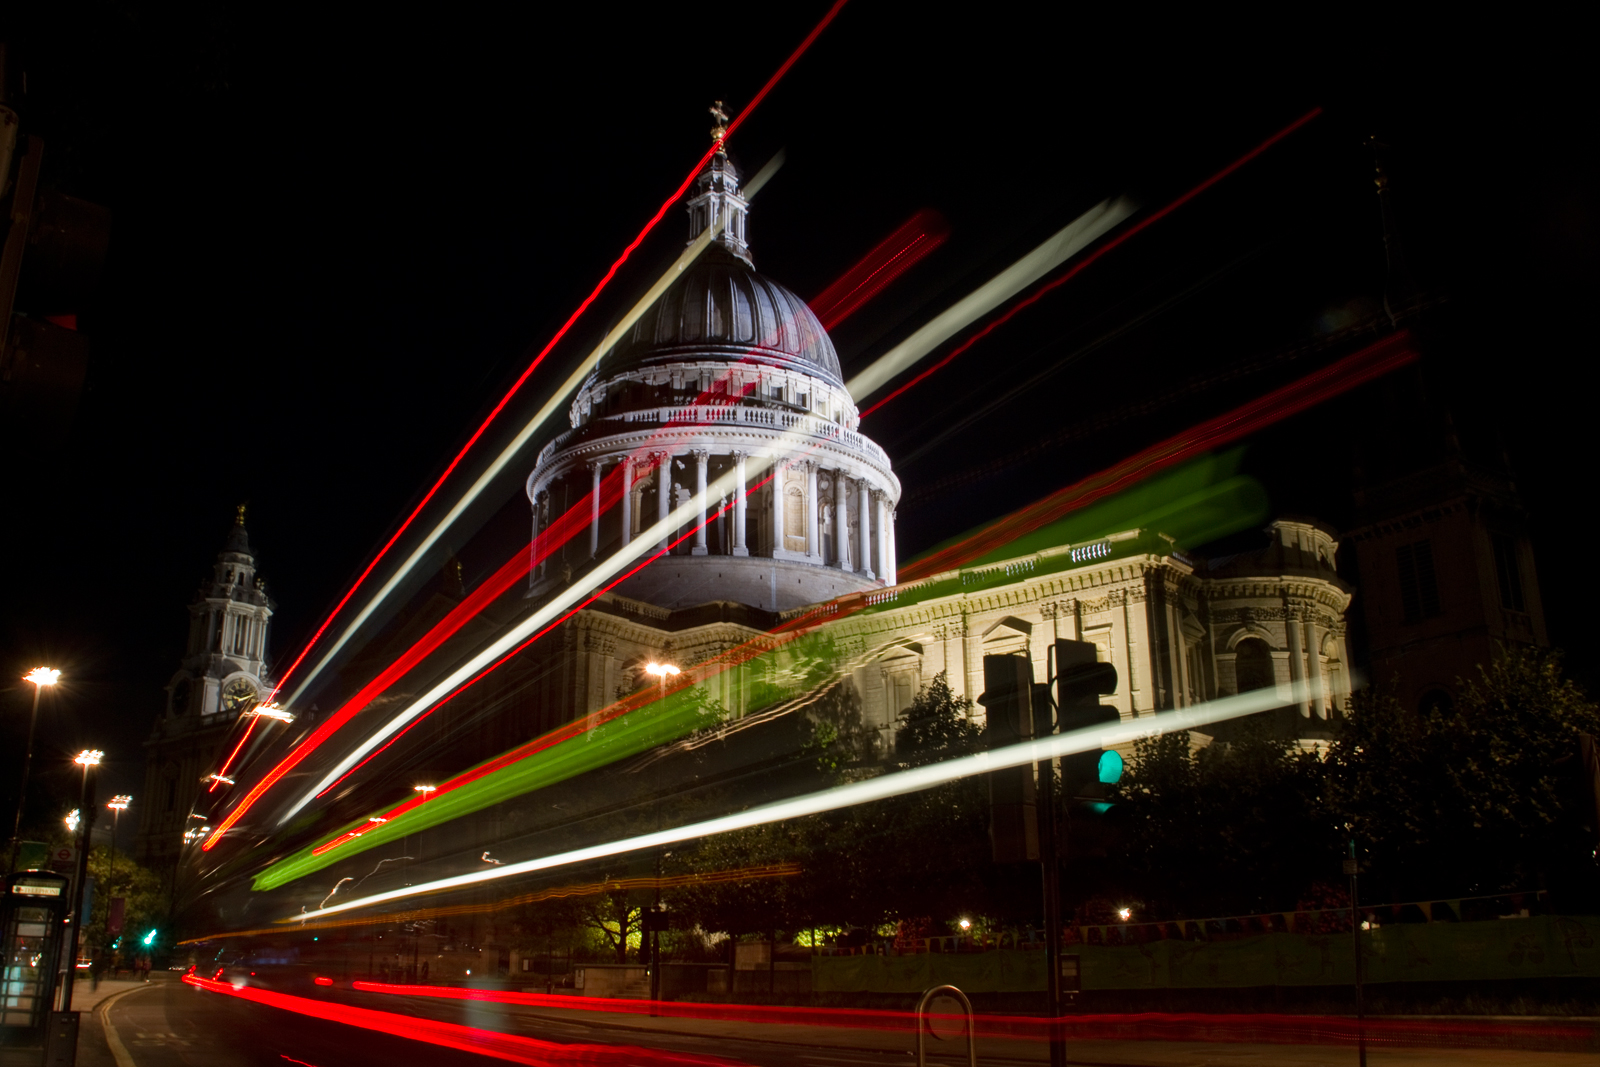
852,529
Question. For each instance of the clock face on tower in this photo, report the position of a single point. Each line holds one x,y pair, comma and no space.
236,694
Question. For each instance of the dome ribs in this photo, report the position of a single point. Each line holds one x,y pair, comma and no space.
730,313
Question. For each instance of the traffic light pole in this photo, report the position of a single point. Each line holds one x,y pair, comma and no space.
1352,866
1052,908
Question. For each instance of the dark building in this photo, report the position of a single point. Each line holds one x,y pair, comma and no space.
1447,570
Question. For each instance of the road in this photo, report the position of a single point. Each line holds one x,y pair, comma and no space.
169,1024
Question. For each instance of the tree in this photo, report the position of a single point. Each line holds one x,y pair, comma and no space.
1463,798
115,874
1233,827
937,726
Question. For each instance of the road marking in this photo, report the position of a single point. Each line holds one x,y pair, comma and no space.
119,1051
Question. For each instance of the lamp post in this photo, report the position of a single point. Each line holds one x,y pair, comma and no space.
662,671
425,791
40,677
89,757
118,804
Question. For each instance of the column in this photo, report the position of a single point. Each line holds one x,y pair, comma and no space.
663,494
627,500
813,547
740,548
701,458
1319,705
537,547
893,564
841,521
594,509
1180,661
880,512
864,533
777,507
1297,661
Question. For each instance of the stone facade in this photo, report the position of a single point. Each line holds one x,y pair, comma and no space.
223,674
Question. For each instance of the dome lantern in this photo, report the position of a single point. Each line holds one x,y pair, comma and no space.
716,200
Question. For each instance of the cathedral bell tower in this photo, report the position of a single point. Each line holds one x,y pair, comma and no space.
224,668
222,675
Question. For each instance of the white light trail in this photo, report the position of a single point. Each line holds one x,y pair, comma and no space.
1071,239
889,785
509,453
647,542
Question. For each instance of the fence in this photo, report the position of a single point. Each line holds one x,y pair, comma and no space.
1546,946
1222,928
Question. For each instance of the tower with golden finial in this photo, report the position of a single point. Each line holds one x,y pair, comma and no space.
716,203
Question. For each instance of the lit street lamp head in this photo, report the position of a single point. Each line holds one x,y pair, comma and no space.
273,711
425,789
661,670
72,820
89,757
42,676
120,802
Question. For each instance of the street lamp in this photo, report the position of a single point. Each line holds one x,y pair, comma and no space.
89,757
118,804
40,677
426,791
663,671
272,711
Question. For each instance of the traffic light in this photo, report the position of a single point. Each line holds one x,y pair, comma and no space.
1013,809
1081,680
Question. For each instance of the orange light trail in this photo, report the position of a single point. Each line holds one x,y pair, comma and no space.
573,729
560,892
1373,361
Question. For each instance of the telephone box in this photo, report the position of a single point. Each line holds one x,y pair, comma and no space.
33,920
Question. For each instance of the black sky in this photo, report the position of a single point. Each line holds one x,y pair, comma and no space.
338,238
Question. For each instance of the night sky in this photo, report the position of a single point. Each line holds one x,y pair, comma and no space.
336,243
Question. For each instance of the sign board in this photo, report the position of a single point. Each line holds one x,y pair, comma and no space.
32,855
64,859
1350,868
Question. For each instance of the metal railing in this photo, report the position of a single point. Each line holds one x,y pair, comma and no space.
924,1020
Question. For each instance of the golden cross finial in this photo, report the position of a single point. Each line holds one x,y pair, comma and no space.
239,519
720,130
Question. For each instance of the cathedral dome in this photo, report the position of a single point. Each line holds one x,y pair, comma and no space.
722,308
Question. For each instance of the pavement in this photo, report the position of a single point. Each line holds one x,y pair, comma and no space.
93,1050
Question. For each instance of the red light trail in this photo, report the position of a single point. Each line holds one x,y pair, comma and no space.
890,258
1377,359
512,1047
560,333
1084,263
1340,376
572,522
1143,1026
216,779
572,729
871,275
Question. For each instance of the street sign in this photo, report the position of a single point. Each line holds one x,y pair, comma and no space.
64,859
1350,868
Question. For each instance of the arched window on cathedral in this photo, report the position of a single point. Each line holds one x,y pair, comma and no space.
1253,665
